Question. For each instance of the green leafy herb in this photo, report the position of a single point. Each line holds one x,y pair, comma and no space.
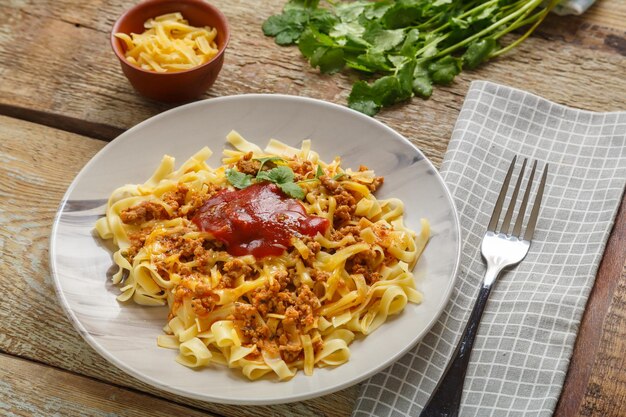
238,179
292,190
319,171
478,52
444,70
404,46
267,159
422,84
339,176
283,177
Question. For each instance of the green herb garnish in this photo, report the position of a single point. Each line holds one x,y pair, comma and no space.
263,161
238,179
283,177
408,44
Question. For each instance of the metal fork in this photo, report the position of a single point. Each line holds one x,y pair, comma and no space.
500,250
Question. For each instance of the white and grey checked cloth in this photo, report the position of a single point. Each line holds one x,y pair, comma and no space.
529,327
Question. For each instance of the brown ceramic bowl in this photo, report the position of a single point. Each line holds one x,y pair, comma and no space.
172,86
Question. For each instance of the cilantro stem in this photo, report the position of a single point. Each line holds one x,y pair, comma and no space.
545,12
528,6
432,43
521,21
478,8
467,13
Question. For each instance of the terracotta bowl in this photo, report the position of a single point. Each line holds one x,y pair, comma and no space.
172,86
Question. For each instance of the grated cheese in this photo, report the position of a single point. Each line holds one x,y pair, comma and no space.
170,44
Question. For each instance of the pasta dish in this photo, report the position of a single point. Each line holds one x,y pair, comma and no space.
271,263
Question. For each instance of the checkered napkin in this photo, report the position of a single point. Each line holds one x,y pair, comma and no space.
528,330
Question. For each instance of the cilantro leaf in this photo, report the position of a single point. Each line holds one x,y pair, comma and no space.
422,84
323,20
292,190
388,90
373,62
286,27
274,25
405,79
410,45
349,12
238,179
329,60
377,10
311,40
343,29
283,177
267,159
478,52
319,171
287,37
278,175
362,98
385,91
301,4
401,15
382,39
444,70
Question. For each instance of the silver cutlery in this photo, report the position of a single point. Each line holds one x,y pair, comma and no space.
500,248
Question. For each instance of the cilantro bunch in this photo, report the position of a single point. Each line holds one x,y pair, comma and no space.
405,46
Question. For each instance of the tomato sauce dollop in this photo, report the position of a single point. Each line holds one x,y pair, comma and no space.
258,220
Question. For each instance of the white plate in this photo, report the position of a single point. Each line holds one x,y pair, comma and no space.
126,334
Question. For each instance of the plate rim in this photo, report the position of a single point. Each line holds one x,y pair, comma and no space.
78,326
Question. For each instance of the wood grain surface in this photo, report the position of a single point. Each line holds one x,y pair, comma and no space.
60,77
67,394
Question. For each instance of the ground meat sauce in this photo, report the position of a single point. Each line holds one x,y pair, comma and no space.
258,220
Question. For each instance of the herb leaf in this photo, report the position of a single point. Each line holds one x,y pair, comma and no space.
319,171
422,84
267,159
283,177
286,27
238,179
478,52
278,175
362,98
444,70
292,190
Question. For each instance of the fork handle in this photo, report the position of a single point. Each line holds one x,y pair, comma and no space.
446,398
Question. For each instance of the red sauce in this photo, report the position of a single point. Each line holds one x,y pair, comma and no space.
258,220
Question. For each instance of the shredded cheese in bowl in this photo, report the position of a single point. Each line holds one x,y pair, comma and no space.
170,44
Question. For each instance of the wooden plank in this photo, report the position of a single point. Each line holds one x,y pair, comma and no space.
606,391
590,342
68,47
37,164
66,394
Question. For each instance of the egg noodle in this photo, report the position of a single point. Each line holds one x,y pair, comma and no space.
274,314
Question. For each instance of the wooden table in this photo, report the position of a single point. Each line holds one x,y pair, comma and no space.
63,96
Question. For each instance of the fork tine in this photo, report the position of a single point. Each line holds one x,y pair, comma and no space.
522,209
493,223
506,224
534,214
